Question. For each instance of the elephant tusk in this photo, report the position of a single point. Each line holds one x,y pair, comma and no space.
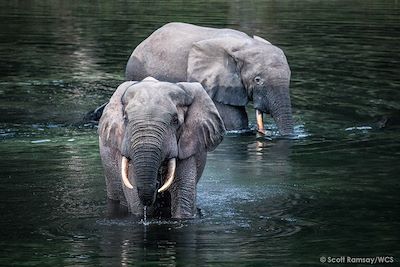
260,121
170,175
124,172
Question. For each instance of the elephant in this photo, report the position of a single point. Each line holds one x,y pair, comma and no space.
154,137
233,67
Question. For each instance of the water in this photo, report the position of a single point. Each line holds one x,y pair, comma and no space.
145,222
331,191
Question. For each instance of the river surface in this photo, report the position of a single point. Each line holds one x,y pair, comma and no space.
331,191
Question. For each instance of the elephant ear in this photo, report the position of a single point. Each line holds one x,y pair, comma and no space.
203,128
111,125
213,63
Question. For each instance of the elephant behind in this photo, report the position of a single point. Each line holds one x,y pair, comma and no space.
154,137
233,67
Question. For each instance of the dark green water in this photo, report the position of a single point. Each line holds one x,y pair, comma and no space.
333,191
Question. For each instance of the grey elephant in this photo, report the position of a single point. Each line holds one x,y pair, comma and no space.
154,137
233,67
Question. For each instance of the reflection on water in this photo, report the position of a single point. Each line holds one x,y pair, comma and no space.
332,190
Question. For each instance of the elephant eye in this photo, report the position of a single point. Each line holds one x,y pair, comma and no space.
174,119
258,80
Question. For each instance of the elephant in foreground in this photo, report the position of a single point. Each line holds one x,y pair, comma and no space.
154,137
233,67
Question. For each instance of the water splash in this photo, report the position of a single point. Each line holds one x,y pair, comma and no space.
272,132
145,222
40,141
359,128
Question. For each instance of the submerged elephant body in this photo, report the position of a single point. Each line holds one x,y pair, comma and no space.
154,137
232,67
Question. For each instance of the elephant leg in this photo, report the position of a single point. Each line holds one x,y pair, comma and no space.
112,171
114,190
183,189
234,117
131,195
133,202
111,159
115,210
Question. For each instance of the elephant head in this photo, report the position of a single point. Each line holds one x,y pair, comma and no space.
154,125
236,70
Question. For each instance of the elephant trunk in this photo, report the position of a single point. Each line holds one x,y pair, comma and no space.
277,102
146,169
146,157
283,119
281,110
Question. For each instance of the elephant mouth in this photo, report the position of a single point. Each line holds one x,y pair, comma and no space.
169,176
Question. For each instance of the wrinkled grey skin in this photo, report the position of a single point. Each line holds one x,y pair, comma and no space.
150,122
233,68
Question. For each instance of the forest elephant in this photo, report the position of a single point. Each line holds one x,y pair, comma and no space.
233,67
154,137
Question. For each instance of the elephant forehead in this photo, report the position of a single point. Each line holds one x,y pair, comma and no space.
150,92
276,57
267,54
263,60
150,111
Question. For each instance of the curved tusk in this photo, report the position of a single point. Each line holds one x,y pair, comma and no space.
260,121
124,172
170,175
